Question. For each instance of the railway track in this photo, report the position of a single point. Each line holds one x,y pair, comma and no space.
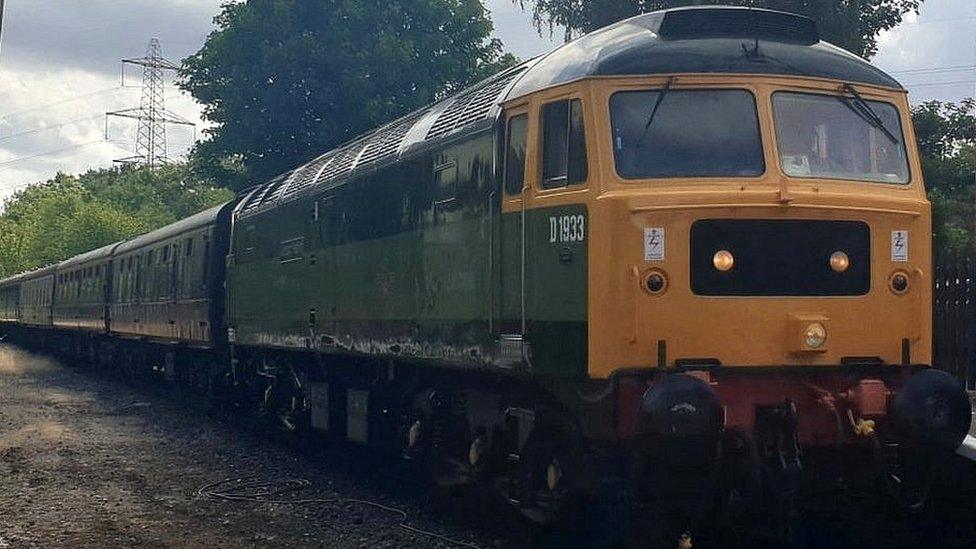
91,462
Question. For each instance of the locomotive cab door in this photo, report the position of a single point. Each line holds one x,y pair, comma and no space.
509,302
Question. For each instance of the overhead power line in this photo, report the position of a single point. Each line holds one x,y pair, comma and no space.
936,84
942,20
48,153
8,116
120,143
40,129
931,70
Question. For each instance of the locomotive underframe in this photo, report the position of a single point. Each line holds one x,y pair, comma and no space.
549,445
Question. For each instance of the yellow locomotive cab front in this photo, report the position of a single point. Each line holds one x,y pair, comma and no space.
789,257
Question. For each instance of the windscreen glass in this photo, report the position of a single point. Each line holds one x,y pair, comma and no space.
838,137
686,133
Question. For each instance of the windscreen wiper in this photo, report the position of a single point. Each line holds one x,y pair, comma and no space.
860,107
657,105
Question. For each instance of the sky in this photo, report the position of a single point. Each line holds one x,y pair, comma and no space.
60,71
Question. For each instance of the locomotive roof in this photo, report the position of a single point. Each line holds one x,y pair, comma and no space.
715,39
719,39
206,217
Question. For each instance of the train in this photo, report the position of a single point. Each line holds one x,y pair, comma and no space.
682,261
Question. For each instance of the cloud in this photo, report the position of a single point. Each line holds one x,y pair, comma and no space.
54,120
59,74
514,27
933,54
92,35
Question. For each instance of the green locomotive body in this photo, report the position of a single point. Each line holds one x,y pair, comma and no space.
407,257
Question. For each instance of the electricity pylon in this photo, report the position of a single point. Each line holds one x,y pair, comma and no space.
151,113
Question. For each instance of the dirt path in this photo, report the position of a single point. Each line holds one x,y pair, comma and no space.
89,462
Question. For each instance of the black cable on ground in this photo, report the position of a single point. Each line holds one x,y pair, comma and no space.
255,490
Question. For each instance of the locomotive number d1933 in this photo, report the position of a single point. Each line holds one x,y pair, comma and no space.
567,228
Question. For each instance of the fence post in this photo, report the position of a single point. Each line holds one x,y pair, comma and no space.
954,318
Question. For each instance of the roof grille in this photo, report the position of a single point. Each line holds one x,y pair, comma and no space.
471,105
342,163
305,176
260,196
734,22
275,190
386,142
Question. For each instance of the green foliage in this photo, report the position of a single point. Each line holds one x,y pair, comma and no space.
946,134
850,25
69,215
285,80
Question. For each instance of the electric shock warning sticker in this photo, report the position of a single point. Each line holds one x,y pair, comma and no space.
899,246
653,244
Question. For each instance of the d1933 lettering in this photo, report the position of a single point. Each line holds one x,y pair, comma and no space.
567,228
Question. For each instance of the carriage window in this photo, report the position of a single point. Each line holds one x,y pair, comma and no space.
206,262
837,137
686,133
563,144
515,154
445,180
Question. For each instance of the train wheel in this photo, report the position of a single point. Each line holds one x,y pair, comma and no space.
545,484
437,441
283,395
907,476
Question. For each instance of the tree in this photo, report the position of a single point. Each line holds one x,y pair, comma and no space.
285,80
946,134
68,215
851,25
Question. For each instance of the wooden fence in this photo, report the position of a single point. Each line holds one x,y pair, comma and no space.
954,337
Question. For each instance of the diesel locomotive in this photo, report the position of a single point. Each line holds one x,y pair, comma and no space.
675,260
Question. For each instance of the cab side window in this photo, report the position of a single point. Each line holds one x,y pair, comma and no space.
563,144
515,154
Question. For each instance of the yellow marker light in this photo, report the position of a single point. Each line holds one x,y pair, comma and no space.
723,260
815,335
839,262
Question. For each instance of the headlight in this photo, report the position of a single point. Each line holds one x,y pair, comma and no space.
815,335
839,261
723,260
